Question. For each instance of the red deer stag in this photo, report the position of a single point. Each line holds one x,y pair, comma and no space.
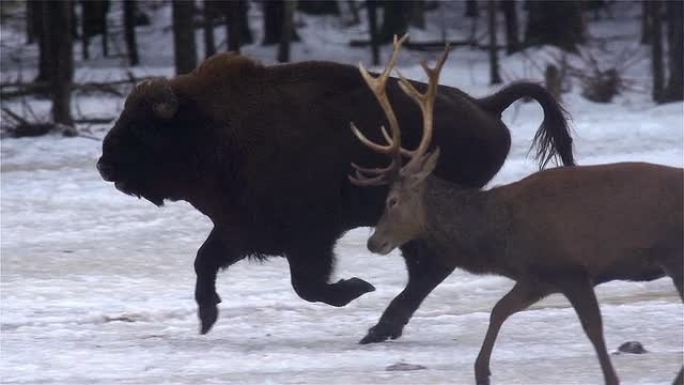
562,230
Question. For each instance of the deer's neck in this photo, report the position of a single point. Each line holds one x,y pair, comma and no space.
466,227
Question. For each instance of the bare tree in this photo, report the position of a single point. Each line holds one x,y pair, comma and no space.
372,6
471,9
185,52
494,76
233,25
274,11
58,20
395,20
511,20
417,16
675,40
38,13
30,22
93,23
208,16
645,22
273,21
286,33
558,23
319,7
657,50
129,8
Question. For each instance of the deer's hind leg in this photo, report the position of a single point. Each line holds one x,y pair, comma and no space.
673,264
579,290
521,296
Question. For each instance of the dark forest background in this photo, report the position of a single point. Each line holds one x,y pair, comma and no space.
56,27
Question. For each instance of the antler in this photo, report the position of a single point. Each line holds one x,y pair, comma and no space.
426,101
376,176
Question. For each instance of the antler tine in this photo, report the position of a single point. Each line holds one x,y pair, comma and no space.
376,176
425,100
378,87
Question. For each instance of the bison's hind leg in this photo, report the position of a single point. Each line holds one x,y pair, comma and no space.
310,269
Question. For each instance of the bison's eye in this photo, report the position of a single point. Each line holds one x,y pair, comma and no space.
392,202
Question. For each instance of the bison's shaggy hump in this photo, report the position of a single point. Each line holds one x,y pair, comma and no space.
264,151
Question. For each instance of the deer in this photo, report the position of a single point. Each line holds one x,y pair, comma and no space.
561,230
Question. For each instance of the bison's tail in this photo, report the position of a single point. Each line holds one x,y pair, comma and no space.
552,140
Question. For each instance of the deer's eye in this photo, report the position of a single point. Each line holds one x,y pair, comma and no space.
391,202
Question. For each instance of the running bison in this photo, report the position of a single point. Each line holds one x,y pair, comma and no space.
264,151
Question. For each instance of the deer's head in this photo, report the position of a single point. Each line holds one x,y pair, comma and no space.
403,218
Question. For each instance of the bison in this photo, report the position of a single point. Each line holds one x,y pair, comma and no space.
264,152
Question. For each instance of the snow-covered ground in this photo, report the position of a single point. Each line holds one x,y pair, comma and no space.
97,287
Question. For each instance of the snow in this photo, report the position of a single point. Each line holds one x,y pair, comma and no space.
97,287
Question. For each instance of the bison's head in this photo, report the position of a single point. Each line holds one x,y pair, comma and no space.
149,151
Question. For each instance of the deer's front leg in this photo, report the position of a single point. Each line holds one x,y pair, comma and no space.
424,274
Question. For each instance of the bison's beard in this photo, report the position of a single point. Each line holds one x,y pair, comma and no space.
129,182
137,190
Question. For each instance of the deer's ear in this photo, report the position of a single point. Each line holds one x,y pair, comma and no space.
423,168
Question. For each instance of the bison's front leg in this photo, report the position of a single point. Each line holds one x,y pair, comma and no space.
310,268
424,274
213,255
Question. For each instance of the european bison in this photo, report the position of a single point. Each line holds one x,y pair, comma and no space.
264,151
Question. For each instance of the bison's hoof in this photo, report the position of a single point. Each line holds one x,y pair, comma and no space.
382,332
207,315
350,289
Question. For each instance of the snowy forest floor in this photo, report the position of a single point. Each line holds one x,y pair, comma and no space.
97,287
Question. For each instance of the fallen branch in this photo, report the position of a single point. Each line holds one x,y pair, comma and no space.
36,88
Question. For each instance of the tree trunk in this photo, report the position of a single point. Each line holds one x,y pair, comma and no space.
319,7
511,19
417,16
246,34
105,31
60,58
645,22
185,52
372,6
494,76
274,11
93,23
675,42
273,21
208,28
354,11
129,7
657,50
558,23
233,25
286,33
30,24
40,26
471,9
395,20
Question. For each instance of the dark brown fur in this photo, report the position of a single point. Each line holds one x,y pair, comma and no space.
265,152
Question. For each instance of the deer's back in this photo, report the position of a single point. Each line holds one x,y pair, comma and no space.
602,218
